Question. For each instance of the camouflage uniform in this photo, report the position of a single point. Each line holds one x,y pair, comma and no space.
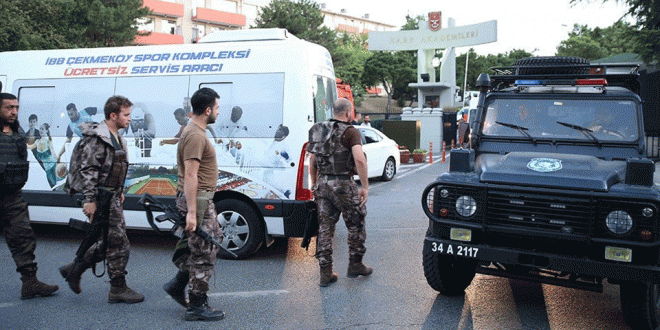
194,253
15,219
335,191
96,157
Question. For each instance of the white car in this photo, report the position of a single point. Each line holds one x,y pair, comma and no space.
382,153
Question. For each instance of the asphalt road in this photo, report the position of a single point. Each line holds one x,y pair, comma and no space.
277,289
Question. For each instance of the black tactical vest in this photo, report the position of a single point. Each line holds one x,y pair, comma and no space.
13,162
332,157
118,170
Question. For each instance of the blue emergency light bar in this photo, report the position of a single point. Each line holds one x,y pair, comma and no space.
556,82
521,82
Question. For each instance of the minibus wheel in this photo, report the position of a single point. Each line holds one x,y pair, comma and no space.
242,230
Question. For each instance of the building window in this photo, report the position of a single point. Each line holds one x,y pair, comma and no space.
169,27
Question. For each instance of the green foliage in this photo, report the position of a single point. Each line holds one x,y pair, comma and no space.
598,42
412,23
392,70
478,64
302,18
419,151
349,59
644,36
48,24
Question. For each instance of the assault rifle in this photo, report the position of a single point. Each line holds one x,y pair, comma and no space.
174,216
94,230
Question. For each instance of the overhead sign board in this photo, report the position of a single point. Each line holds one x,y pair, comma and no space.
467,35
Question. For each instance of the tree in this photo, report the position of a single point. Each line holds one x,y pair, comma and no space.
581,46
349,59
598,42
108,22
645,35
48,24
412,23
479,64
390,70
302,18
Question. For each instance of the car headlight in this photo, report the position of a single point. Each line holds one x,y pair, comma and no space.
619,222
466,206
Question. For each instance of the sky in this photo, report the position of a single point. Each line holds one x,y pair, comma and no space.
537,26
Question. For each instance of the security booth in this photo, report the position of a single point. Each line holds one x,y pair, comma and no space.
404,132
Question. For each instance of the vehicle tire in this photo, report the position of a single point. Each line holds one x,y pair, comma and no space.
389,170
565,65
446,274
639,302
242,230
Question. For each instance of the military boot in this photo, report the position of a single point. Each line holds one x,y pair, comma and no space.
176,288
199,309
327,276
72,272
357,268
120,292
32,287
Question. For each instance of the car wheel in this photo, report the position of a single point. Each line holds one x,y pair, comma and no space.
242,230
447,274
639,302
389,170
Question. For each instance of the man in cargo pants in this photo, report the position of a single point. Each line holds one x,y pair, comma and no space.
14,217
198,177
100,161
336,155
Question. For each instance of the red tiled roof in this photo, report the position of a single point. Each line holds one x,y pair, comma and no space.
164,8
155,38
347,28
374,90
218,17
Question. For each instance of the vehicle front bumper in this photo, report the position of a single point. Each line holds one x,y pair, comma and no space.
576,265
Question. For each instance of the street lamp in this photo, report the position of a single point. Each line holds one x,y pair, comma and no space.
435,62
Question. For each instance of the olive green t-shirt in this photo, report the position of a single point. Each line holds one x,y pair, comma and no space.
194,144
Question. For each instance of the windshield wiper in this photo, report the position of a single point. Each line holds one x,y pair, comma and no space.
520,129
584,130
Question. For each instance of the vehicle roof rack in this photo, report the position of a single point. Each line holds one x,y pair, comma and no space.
617,74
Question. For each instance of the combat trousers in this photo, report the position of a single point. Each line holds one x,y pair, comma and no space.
15,221
335,197
118,251
199,258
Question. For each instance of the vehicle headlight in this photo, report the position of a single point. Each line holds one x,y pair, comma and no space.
466,206
619,222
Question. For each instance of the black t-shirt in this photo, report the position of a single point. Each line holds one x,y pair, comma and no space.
351,138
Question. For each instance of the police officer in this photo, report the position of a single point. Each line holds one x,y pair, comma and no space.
14,217
101,161
336,155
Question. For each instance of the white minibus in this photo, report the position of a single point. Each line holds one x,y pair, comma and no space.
272,85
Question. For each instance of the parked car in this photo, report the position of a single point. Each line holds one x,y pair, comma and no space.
382,153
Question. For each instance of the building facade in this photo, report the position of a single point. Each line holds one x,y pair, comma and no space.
185,21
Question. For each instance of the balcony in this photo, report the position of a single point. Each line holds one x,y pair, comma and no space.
205,15
155,38
164,8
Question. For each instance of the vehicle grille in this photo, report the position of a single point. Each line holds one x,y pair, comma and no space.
562,214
